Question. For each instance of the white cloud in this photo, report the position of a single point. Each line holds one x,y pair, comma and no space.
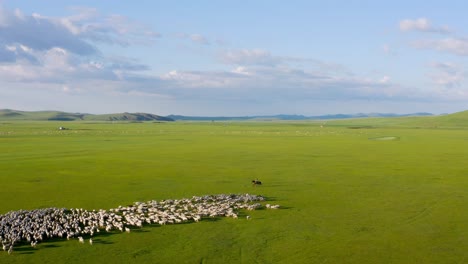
457,46
267,83
200,80
241,70
422,25
384,79
39,33
260,58
66,88
75,33
89,24
448,75
243,83
250,57
195,38
40,49
454,45
199,39
58,65
389,50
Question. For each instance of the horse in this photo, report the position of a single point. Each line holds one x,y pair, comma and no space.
256,182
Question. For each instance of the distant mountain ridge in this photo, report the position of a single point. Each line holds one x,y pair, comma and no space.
415,120
291,117
8,114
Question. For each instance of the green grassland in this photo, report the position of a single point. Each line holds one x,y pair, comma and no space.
346,197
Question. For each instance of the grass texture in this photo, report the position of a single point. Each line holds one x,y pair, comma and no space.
346,197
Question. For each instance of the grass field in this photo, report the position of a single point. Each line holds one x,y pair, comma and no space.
345,197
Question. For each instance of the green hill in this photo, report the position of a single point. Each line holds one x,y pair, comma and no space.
8,114
455,120
459,118
127,117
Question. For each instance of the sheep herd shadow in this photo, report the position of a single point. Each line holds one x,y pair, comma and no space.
101,238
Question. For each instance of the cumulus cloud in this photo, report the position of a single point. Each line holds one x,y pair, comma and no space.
39,33
52,66
260,58
87,23
57,65
256,75
422,25
280,83
75,33
40,49
453,44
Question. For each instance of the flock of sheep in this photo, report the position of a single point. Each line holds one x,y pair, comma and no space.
19,227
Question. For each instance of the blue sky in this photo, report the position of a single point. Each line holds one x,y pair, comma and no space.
234,57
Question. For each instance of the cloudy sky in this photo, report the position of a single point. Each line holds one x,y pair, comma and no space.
234,57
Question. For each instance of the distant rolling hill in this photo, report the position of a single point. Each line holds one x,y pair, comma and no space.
289,117
127,117
455,120
459,117
417,120
8,114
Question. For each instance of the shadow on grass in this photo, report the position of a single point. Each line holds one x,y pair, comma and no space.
52,246
102,242
25,248
270,198
140,230
99,238
209,219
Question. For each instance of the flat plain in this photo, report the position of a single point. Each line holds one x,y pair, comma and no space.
354,191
